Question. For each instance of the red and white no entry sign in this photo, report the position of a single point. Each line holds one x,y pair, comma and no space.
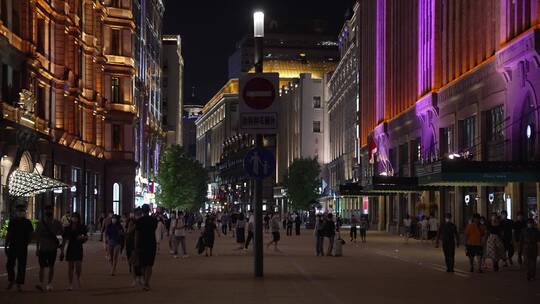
259,93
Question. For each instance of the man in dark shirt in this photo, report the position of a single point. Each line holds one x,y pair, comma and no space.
450,240
507,226
530,237
19,235
145,244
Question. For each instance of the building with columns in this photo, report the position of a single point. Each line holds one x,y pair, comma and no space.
67,103
449,119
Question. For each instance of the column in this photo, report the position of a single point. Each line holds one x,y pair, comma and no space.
382,213
538,200
458,216
482,201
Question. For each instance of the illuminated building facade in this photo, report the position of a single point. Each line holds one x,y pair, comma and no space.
343,110
449,118
76,60
149,135
173,90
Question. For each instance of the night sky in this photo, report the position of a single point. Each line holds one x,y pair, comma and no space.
210,30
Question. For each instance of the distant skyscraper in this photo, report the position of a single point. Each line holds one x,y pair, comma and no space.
173,89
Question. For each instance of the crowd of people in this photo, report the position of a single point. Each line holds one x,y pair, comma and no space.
135,233
138,236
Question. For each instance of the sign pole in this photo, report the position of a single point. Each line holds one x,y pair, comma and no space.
258,237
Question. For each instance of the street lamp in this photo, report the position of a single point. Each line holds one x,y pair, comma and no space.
258,24
258,34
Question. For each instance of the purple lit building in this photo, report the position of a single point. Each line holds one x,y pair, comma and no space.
449,108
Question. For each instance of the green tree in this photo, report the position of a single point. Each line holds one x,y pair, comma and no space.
182,181
302,182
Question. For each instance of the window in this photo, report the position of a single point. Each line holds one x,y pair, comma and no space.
41,100
115,90
4,12
317,102
316,127
116,198
115,42
116,3
467,133
116,137
495,123
447,140
41,36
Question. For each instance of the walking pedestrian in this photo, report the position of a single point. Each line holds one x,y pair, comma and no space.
129,241
424,228
179,233
19,235
330,233
250,229
75,235
266,223
407,224
66,219
209,234
234,220
530,237
289,224
101,220
319,235
225,218
507,237
274,227
114,237
354,227
145,245
473,242
297,223
364,226
495,247
519,225
48,230
241,230
433,228
450,240
160,232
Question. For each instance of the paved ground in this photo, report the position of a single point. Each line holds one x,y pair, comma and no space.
383,270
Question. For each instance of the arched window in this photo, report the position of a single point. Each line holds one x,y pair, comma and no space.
116,198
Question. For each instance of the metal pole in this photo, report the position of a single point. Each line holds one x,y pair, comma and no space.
258,235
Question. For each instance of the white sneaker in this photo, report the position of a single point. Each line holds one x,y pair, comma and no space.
49,287
185,256
175,256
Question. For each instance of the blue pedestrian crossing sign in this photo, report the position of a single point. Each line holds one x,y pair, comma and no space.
259,163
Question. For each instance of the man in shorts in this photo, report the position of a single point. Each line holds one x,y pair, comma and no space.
473,241
274,227
47,231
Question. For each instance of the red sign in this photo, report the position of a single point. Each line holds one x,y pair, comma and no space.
259,93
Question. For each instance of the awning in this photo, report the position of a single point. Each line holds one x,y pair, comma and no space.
459,172
385,185
24,184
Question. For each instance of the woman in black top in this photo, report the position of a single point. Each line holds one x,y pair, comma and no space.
75,235
210,229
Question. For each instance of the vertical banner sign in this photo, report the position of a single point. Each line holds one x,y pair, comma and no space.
258,103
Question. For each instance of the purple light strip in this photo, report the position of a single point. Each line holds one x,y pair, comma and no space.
426,45
380,64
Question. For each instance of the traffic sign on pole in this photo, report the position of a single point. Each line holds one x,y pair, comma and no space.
258,105
259,163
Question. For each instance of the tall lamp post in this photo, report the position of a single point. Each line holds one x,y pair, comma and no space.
258,35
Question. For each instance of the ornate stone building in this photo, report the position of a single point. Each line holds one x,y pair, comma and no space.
77,58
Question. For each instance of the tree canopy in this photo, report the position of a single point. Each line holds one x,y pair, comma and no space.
182,181
302,182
